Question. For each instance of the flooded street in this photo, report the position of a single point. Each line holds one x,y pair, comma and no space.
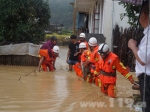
58,91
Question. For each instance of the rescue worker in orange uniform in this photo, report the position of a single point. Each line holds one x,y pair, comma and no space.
47,47
77,67
94,58
46,62
106,70
94,49
85,57
82,39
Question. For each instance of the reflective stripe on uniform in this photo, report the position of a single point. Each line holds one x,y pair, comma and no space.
87,79
122,65
128,75
113,67
39,56
99,83
115,91
96,59
95,72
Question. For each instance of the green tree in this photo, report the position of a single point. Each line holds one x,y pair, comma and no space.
23,20
132,12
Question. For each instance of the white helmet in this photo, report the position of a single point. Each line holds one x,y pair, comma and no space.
92,41
82,35
56,49
82,45
103,48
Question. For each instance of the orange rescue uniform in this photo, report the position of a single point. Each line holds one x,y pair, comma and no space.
48,62
85,59
106,71
86,56
87,45
78,67
94,60
95,56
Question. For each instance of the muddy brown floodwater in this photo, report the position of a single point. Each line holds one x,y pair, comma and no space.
58,91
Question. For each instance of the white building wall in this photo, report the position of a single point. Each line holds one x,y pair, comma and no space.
111,17
107,22
101,17
91,23
118,9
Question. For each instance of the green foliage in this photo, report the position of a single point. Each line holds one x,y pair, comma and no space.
61,12
132,12
67,32
23,20
64,31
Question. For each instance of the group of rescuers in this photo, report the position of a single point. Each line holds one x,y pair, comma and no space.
95,64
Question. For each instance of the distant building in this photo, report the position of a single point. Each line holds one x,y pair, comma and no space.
99,17
61,26
55,28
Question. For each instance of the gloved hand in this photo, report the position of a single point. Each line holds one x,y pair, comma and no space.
131,80
128,69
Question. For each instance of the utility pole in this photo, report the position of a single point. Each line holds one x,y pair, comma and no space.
74,21
74,18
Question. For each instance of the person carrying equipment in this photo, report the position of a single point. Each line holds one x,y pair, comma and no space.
93,60
85,57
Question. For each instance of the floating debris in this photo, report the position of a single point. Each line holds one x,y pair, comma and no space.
19,79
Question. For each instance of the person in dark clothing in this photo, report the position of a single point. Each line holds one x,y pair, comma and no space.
72,59
48,46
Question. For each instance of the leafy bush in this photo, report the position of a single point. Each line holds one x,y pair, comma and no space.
132,12
23,20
